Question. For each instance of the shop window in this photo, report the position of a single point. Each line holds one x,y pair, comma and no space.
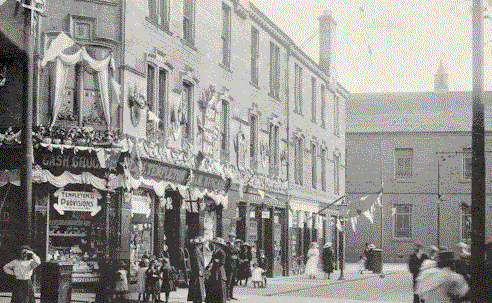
403,221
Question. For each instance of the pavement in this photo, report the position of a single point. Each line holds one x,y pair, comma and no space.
292,289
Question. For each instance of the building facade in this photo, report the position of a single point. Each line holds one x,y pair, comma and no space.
417,147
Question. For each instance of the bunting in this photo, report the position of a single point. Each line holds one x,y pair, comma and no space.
369,215
339,225
353,220
393,211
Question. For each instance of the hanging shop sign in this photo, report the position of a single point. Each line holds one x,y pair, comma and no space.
209,181
77,201
164,171
66,160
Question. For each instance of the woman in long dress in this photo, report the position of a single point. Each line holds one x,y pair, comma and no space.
215,285
312,263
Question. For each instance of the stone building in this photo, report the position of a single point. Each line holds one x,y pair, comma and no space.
417,145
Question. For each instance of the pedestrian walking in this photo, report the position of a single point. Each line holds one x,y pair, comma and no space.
312,263
22,268
232,255
442,284
327,258
414,263
140,287
196,290
167,279
244,265
153,281
216,284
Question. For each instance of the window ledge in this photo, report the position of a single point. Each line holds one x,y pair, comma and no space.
254,85
226,68
160,26
409,240
405,180
465,181
189,44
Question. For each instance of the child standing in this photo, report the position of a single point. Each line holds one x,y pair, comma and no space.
167,279
258,278
140,288
361,264
153,281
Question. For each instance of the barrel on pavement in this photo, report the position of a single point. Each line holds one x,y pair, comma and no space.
56,283
377,264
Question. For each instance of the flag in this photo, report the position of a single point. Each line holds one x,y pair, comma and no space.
353,220
393,211
339,225
378,200
369,216
57,46
262,194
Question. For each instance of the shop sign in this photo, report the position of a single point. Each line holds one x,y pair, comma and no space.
265,214
140,204
209,181
77,201
253,231
164,171
69,160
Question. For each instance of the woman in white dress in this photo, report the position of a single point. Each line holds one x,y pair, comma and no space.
312,263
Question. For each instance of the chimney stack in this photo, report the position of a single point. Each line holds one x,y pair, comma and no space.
326,41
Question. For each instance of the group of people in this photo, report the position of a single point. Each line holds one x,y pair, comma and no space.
155,275
437,276
314,258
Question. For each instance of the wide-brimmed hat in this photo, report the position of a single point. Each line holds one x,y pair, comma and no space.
327,244
25,247
371,246
197,240
220,241
463,245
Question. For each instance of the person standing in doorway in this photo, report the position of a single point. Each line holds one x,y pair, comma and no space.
327,258
414,263
22,268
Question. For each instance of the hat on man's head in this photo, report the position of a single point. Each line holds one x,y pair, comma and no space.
197,240
327,244
462,245
371,246
25,247
220,241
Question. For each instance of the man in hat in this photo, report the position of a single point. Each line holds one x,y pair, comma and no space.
196,290
415,261
231,265
216,284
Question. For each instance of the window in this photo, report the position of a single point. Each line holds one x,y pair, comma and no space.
150,86
274,148
186,108
298,155
225,127
253,126
161,110
323,169
298,89
403,162
313,99
323,106
336,115
314,162
274,70
403,221
465,221
255,42
189,21
159,12
336,173
226,35
467,163
82,98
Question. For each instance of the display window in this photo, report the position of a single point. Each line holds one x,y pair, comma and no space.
76,230
141,228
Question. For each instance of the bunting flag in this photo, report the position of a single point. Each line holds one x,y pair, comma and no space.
369,215
393,211
339,225
262,194
353,220
378,200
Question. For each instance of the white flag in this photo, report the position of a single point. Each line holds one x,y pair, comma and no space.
339,225
353,220
368,214
378,200
393,211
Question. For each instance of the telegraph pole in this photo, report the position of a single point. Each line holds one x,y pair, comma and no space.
478,158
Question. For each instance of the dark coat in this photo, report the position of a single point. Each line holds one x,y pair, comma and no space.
414,263
216,283
244,265
167,279
327,258
196,290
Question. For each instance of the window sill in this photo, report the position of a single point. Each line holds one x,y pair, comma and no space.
160,26
254,85
226,68
408,240
274,97
465,181
405,180
189,44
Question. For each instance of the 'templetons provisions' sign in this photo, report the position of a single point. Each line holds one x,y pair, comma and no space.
77,201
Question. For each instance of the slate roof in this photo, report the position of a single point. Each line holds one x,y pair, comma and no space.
413,112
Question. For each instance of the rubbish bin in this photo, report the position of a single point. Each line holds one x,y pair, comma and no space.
377,264
56,283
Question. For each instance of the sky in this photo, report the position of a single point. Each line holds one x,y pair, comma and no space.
387,45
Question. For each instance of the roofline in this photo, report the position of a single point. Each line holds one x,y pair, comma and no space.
419,92
294,46
487,132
